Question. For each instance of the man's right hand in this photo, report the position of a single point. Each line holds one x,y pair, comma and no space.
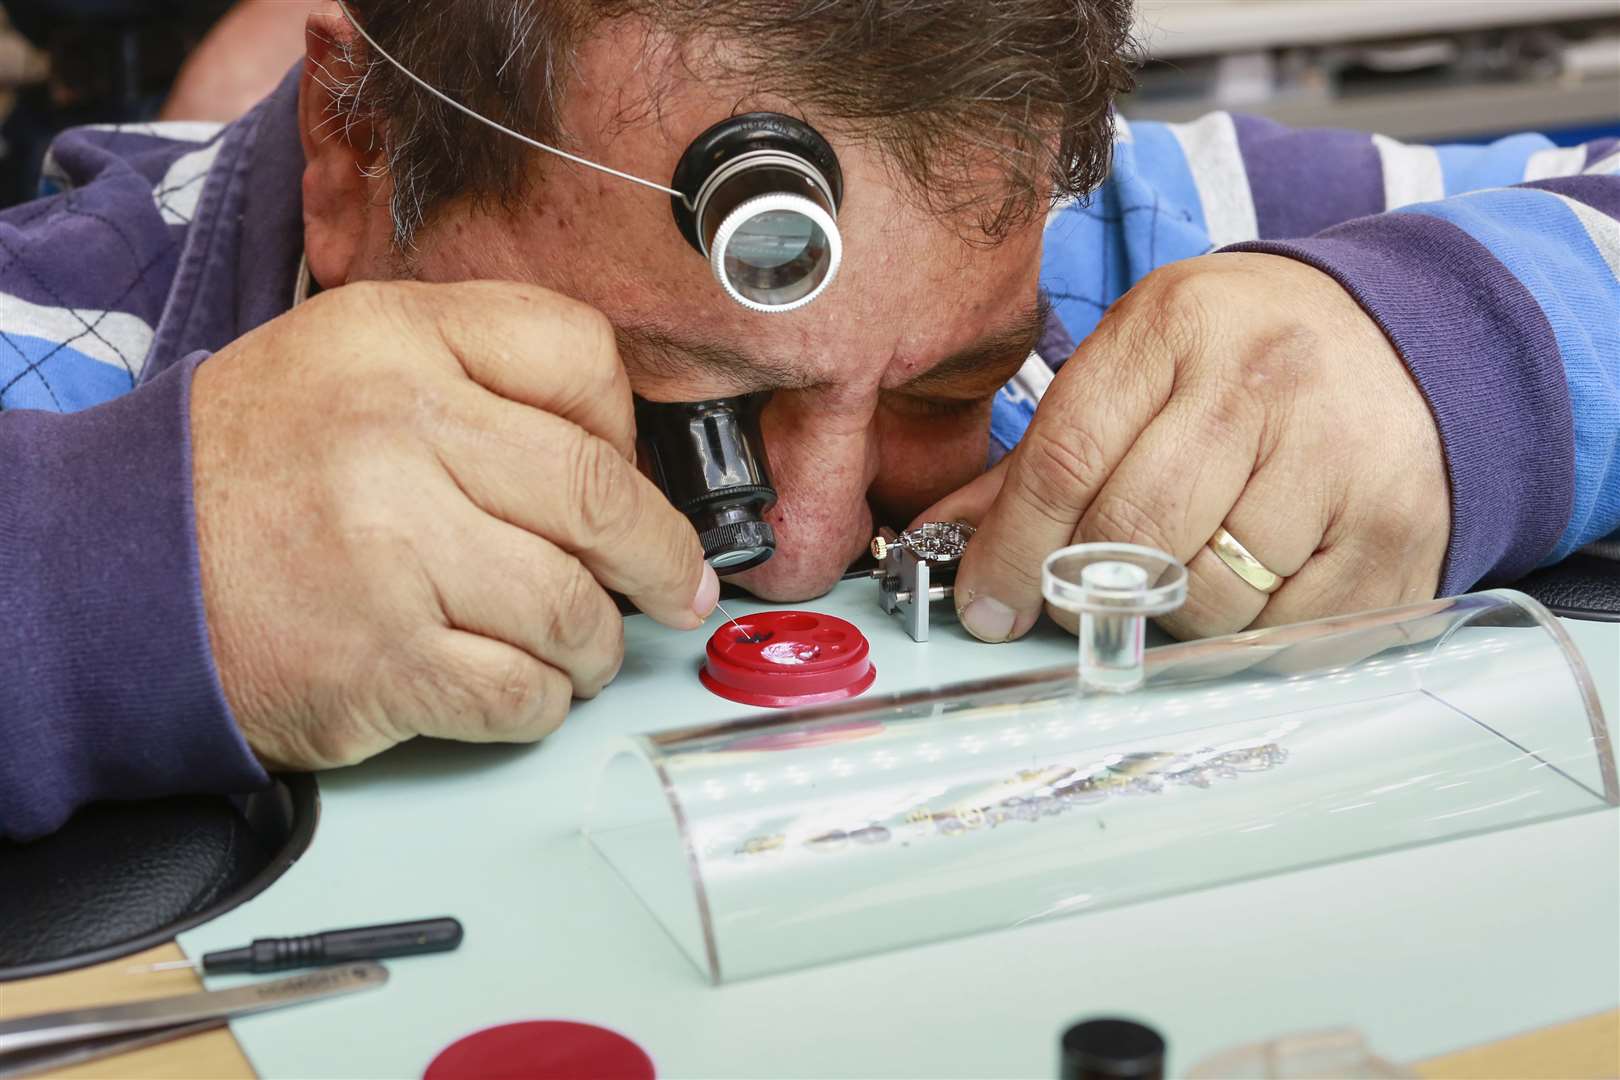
411,502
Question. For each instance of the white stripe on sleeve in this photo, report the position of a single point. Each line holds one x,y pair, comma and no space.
1603,230
114,338
192,131
1032,379
1604,166
1412,174
1557,161
1211,148
181,188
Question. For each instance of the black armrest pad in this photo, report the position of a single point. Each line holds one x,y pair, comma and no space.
1581,587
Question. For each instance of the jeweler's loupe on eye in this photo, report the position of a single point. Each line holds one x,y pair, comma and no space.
757,195
760,202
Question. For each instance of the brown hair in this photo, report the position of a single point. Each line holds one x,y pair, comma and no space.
941,86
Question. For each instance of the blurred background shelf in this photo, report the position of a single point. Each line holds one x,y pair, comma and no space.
1174,28
1438,70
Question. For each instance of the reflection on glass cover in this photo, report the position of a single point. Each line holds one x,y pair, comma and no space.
769,844
777,257
766,241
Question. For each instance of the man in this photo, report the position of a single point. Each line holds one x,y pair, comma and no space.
398,508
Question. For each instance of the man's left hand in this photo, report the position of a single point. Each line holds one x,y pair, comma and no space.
1238,390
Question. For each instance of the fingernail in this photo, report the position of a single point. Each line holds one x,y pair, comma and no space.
988,619
708,594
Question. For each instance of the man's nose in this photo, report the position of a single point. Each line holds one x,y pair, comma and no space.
823,459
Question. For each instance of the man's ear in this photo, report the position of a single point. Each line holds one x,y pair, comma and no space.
342,149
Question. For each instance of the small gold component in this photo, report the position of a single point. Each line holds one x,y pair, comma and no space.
880,548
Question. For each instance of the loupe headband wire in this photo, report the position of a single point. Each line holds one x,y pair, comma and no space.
482,119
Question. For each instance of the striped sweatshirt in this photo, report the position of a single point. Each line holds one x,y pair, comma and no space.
1492,269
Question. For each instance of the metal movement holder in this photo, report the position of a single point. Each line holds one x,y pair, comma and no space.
917,568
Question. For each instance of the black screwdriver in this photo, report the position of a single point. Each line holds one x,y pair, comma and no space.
331,947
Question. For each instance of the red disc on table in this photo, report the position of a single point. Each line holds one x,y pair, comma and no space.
780,659
542,1050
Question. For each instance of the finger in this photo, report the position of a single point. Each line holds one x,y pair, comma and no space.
522,590
1280,518
551,478
1083,429
1342,578
475,689
969,503
1179,481
539,349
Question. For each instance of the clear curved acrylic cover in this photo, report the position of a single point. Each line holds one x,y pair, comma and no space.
777,842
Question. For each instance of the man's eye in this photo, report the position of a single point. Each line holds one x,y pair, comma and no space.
910,405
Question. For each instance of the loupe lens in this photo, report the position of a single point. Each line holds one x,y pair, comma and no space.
738,557
758,196
777,257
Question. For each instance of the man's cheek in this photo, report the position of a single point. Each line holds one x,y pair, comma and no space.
924,459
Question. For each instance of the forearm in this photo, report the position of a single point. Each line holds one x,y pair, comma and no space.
107,684
1503,305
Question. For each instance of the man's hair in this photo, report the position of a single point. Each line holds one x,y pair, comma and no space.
941,87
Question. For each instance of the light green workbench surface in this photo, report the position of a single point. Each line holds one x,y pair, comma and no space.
1425,950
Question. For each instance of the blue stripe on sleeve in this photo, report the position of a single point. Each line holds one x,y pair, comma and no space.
1543,244
1161,162
1146,215
1498,164
1010,417
1074,264
39,374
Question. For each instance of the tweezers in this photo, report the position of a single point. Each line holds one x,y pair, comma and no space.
32,1044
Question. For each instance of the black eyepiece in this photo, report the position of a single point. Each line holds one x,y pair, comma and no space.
709,459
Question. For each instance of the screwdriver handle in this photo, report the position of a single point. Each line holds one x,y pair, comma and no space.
337,946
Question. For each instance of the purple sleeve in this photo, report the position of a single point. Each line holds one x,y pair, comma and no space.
107,684
1484,354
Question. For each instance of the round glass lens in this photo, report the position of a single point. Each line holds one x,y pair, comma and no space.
777,257
772,239
728,559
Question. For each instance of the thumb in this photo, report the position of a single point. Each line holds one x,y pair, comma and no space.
969,503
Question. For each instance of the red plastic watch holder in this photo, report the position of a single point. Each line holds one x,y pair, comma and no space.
781,659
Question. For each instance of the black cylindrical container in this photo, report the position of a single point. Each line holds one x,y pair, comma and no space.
1109,1048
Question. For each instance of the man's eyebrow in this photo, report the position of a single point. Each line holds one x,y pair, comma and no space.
1017,339
676,356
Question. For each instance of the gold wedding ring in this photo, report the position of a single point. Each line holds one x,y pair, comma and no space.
1237,558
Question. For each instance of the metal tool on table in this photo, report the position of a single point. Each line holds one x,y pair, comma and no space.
917,568
34,1044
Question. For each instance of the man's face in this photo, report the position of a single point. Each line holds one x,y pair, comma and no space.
880,389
